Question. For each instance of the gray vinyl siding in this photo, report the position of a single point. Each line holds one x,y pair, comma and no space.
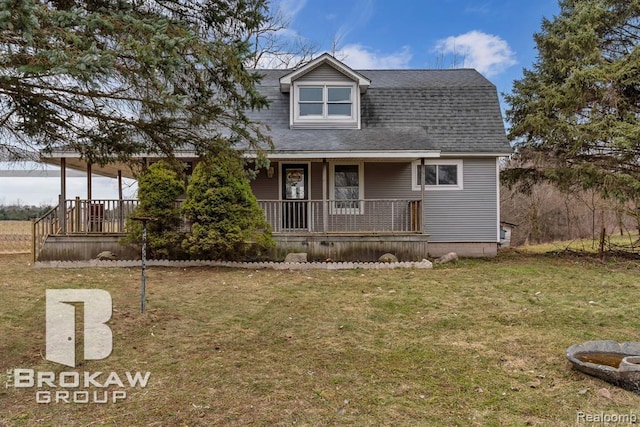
388,181
468,215
266,188
323,74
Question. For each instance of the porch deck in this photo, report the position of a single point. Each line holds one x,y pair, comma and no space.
79,229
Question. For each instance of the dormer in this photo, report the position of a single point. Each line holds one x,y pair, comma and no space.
324,94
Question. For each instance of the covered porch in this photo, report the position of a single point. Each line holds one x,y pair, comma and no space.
296,195
81,228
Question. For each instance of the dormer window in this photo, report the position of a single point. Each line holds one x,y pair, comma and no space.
317,103
324,94
325,101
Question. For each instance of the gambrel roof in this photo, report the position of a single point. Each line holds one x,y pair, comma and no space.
403,114
448,111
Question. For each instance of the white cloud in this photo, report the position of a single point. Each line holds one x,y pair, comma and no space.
359,57
359,17
488,54
288,8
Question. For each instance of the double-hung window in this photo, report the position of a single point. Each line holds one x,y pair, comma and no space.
325,102
439,175
347,188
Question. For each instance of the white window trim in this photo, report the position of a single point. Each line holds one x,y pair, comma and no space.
414,175
333,210
325,118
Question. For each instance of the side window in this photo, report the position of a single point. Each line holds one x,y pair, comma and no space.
439,175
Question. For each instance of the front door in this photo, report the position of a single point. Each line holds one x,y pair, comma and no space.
295,196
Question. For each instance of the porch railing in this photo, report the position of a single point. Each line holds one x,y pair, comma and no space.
78,216
108,216
97,215
344,216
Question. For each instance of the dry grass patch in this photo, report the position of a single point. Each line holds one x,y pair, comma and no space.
629,242
478,343
15,237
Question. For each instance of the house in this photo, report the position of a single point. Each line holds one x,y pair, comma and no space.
345,181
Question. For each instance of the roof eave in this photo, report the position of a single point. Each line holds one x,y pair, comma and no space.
287,79
350,154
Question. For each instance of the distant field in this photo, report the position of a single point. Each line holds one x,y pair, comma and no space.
15,236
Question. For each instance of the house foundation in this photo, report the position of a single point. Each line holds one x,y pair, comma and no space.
352,247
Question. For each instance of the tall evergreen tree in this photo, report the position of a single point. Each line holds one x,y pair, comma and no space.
113,78
575,116
159,187
226,220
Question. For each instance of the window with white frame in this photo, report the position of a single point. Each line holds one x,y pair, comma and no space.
325,102
439,175
347,188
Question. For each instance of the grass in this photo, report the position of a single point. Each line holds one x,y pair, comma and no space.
478,343
15,227
15,237
613,242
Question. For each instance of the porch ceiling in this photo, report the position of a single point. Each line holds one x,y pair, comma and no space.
109,170
73,160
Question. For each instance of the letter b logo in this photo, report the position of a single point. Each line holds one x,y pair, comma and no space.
61,324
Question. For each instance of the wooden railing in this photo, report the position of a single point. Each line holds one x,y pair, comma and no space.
42,227
344,216
97,216
78,216
108,216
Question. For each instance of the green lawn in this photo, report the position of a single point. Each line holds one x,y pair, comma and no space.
477,343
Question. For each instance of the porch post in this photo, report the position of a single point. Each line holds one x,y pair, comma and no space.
89,181
325,207
422,210
119,184
63,195
63,177
120,204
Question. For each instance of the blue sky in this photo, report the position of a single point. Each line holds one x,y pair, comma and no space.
493,36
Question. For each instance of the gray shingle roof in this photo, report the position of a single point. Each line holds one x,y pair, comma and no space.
449,110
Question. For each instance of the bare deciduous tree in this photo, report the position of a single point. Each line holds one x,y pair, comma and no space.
275,45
